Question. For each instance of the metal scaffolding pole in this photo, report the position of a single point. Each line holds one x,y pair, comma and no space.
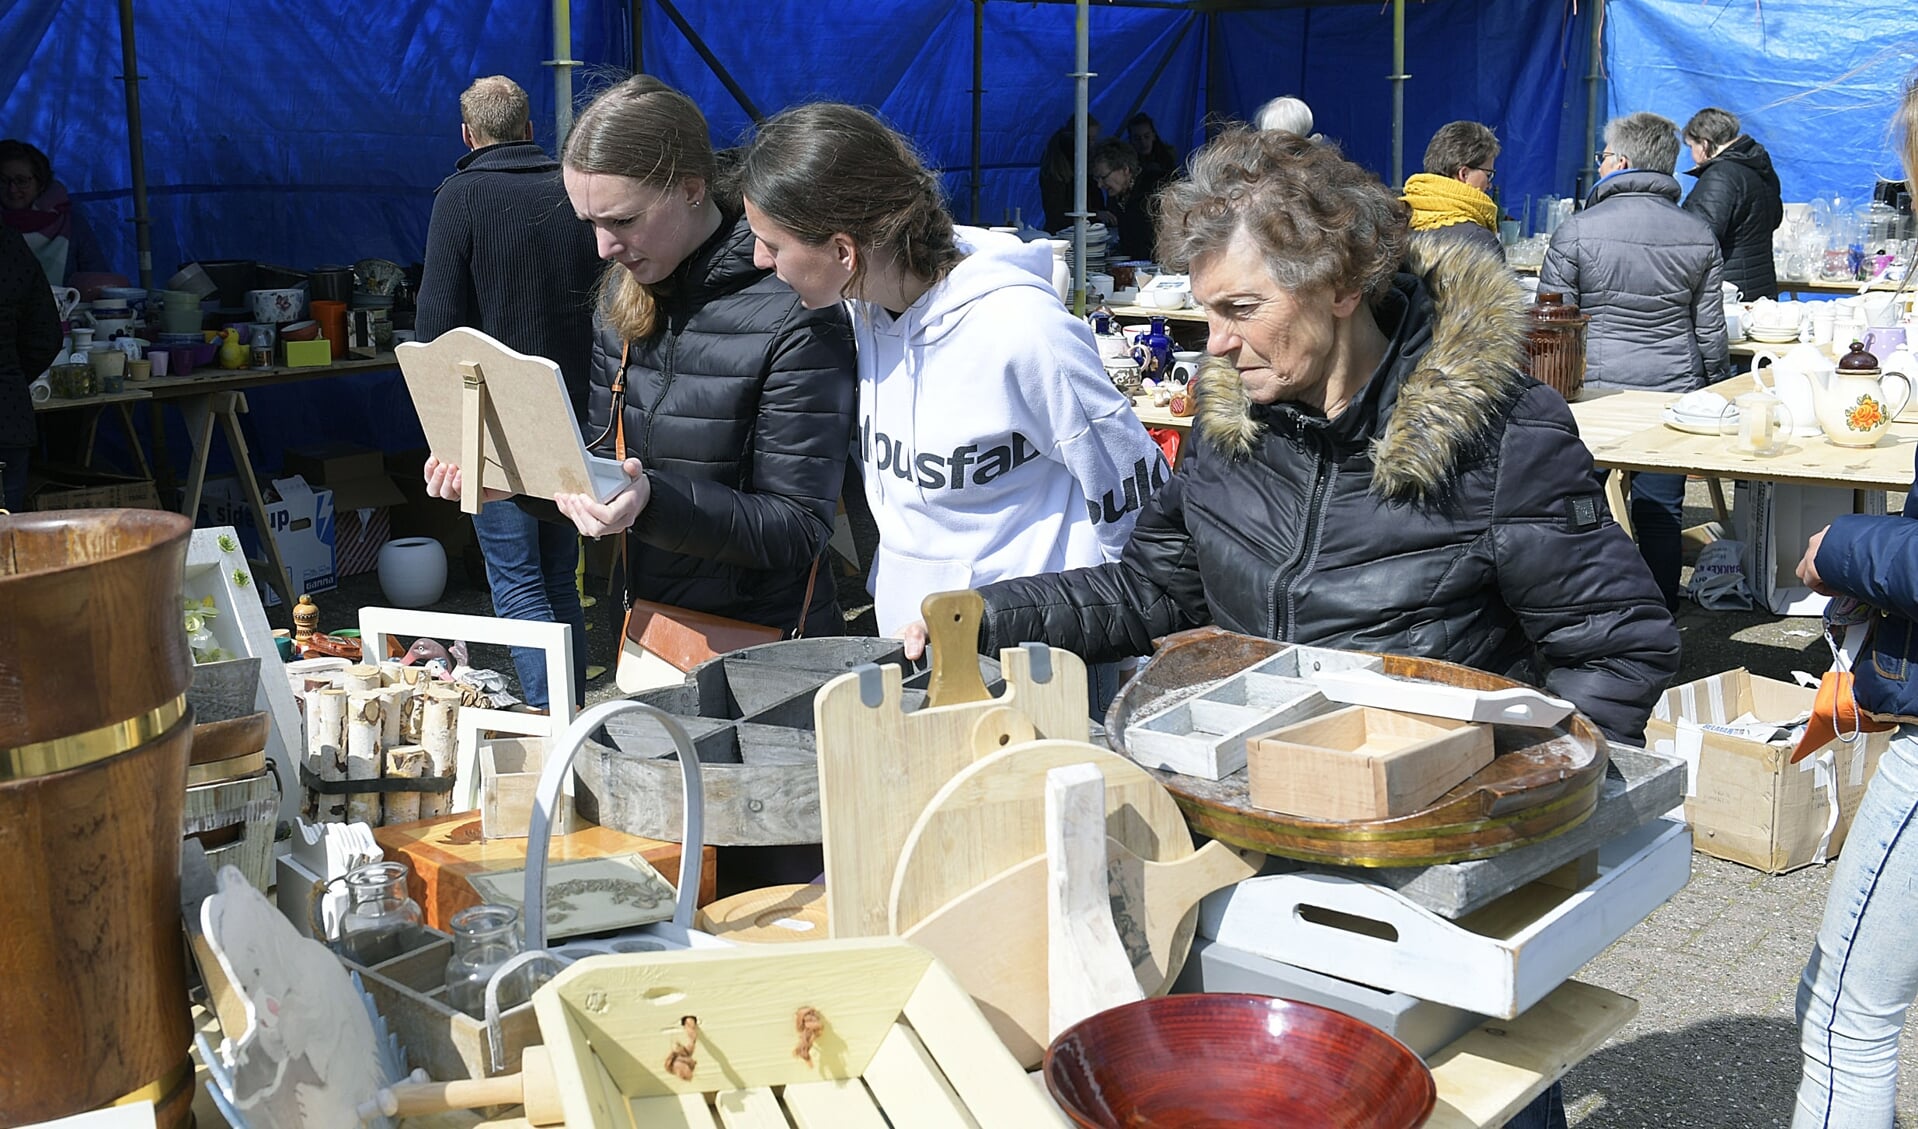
136,148
562,63
1594,83
1398,92
1082,83
978,94
712,61
637,9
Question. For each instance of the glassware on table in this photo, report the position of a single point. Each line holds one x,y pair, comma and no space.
484,937
1759,424
382,918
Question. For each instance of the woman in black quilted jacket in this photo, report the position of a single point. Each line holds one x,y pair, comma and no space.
29,338
732,402
1738,195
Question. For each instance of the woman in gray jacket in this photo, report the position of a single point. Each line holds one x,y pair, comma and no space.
1650,275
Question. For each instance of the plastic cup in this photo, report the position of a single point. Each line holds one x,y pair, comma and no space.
158,362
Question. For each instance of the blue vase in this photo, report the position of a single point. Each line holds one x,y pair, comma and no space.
1152,351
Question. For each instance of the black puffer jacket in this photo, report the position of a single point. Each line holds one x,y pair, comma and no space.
741,408
1450,512
1738,195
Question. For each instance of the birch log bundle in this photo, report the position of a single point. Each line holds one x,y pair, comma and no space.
369,722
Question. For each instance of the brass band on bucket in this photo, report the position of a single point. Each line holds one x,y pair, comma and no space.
59,754
157,1090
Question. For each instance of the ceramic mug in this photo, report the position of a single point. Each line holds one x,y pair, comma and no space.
1881,341
66,299
1185,365
1762,425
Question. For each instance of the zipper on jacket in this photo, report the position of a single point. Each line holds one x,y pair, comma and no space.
667,371
1280,613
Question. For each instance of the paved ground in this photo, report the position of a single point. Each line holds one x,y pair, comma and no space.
1714,1044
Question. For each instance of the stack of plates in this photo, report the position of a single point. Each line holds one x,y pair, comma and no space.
1096,249
1772,335
1702,413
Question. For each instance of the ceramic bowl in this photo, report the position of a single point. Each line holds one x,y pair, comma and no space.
277,306
1226,1061
300,331
131,295
379,276
193,279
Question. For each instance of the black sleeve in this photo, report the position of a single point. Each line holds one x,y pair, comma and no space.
1582,593
1112,610
446,298
801,436
36,321
1714,199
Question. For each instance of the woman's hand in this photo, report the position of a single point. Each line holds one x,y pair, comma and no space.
1808,567
443,480
915,637
597,519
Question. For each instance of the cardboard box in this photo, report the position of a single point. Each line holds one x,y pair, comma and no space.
301,520
74,488
1745,802
309,354
423,515
363,497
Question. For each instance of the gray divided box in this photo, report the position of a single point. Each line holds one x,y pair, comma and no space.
1204,734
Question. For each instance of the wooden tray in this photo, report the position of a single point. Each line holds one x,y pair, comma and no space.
1542,782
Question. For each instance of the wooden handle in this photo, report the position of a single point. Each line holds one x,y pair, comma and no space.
1172,888
535,1087
1001,727
952,630
472,438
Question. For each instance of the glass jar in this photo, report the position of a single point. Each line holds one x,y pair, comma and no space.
1555,344
381,920
484,937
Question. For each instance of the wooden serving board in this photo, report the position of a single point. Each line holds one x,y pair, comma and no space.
879,765
1540,783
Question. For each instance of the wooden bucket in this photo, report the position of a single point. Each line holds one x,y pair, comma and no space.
94,738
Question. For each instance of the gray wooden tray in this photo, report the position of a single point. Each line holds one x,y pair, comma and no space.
1639,787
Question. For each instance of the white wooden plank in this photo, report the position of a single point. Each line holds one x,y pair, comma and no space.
977,1064
1087,968
757,1108
672,1111
1486,1076
910,1088
839,1104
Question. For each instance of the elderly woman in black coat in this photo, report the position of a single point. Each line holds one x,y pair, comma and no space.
29,339
1369,468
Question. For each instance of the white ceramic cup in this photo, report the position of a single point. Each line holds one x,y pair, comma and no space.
159,359
1185,365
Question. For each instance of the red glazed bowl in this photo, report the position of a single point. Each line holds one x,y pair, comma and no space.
1226,1061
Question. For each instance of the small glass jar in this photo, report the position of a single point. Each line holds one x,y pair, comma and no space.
484,937
381,920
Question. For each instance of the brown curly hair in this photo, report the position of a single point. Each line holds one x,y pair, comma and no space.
1318,219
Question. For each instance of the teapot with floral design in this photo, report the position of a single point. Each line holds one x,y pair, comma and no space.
1856,403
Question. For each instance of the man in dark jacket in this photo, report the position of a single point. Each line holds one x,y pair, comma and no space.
1737,195
506,256
1369,469
1649,274
29,340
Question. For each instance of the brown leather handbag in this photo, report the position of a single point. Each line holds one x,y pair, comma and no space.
663,642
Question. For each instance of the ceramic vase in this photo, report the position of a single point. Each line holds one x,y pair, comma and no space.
413,572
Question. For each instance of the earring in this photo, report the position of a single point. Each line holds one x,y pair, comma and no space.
696,203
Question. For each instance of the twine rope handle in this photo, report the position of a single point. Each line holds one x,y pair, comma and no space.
810,1024
680,1061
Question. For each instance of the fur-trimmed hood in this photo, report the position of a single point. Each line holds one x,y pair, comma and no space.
1455,370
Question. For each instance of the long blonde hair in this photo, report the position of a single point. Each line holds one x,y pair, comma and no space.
646,130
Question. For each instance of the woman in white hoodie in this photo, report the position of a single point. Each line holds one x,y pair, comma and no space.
993,445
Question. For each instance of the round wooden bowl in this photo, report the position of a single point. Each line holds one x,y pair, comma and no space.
1543,782
1226,1061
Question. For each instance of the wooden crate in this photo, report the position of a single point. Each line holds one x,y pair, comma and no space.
410,991
76,489
899,1040
1364,763
445,852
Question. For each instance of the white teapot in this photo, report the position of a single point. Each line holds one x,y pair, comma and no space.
1856,403
1791,376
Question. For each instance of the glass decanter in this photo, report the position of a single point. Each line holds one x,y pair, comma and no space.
382,919
484,937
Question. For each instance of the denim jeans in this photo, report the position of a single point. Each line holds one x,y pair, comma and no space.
529,566
1547,1111
1658,505
13,478
1863,972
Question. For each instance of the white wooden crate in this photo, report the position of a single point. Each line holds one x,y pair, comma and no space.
1204,735
1498,960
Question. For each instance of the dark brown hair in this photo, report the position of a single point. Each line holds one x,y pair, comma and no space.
643,129
13,149
1317,218
1460,145
1712,127
828,169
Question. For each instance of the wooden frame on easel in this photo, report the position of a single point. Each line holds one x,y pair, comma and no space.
460,380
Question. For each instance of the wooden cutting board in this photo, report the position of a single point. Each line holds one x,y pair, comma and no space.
879,765
971,882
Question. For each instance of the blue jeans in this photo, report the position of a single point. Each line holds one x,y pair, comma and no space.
529,567
13,478
1547,1111
1658,508
1863,972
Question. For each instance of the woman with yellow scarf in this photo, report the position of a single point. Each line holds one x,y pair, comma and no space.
1449,196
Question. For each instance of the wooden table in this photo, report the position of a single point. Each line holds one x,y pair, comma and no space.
1146,313
1153,415
122,402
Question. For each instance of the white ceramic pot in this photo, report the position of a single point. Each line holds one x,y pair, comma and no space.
277,306
413,572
